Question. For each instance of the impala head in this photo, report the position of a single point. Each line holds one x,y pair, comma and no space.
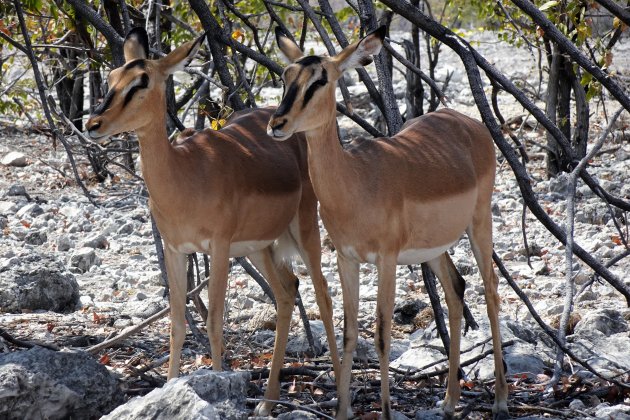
309,83
136,90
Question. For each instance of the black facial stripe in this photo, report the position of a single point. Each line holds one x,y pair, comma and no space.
107,101
314,86
287,101
144,82
136,63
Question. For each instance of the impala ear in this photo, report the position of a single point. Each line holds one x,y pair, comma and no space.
289,49
136,45
181,56
360,53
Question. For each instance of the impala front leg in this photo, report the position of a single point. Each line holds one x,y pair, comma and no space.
217,288
349,276
176,273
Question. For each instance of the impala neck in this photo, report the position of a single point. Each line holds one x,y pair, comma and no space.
156,153
329,164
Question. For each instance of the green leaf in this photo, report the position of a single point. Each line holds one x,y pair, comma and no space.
548,5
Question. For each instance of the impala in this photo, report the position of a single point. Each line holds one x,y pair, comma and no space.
226,193
404,199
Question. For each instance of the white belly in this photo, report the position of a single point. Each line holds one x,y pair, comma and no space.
407,256
240,249
237,249
417,256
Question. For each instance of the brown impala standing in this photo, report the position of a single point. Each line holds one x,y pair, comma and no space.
226,193
404,199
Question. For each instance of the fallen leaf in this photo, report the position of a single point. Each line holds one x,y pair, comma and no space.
294,388
203,360
98,319
317,391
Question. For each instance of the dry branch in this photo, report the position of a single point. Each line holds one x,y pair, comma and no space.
135,328
471,59
622,13
568,47
41,88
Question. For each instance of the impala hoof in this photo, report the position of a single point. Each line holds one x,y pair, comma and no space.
348,414
263,409
501,415
500,411
446,410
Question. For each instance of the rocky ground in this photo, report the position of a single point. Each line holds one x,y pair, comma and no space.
94,266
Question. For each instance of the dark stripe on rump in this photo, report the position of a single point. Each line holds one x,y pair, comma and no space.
144,82
287,101
107,101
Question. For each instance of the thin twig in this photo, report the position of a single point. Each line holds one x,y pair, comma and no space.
135,328
57,135
291,405
546,328
25,344
570,221
470,361
441,96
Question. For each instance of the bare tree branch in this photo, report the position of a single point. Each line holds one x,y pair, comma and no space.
622,13
471,59
114,40
57,135
568,47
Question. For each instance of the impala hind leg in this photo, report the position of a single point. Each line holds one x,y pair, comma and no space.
217,289
453,287
349,276
305,231
480,235
176,272
382,337
284,285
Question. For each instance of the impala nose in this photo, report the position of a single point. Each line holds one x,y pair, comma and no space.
93,124
274,128
91,127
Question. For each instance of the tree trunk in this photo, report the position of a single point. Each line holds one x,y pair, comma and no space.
414,94
392,113
417,83
580,135
553,151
